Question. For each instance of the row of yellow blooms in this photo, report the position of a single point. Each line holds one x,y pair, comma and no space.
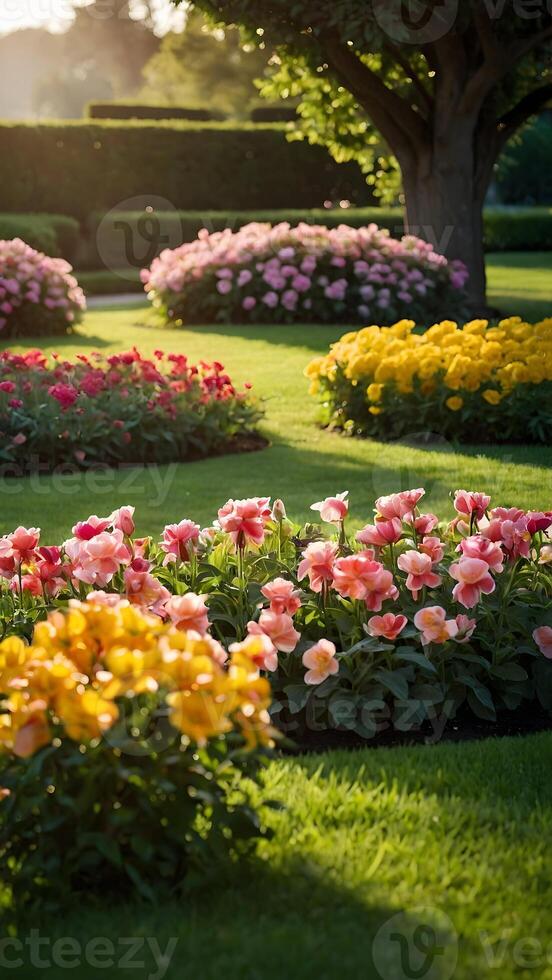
82,661
474,357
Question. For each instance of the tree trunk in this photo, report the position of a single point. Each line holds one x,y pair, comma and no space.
444,206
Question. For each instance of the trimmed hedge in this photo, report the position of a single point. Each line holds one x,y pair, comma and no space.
129,110
54,234
518,229
78,168
106,283
505,229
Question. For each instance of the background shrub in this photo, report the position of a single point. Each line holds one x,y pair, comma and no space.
277,274
476,383
125,408
54,234
197,166
38,294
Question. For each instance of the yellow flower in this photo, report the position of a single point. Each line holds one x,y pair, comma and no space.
374,410
492,397
374,392
455,403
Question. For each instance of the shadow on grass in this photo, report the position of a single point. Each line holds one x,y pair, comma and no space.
260,923
310,336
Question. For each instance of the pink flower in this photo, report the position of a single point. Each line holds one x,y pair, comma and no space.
97,560
400,504
478,546
433,547
468,503
279,628
318,560
516,538
425,523
466,628
320,661
333,510
419,571
388,626
538,521
20,439
245,520
179,540
259,648
278,510
360,577
85,530
142,589
543,638
282,596
473,578
434,626
123,520
382,533
188,612
249,303
20,545
65,394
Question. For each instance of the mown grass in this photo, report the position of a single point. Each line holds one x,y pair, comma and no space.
457,831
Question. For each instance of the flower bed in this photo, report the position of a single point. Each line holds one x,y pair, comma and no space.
123,748
476,383
38,294
398,625
279,274
123,408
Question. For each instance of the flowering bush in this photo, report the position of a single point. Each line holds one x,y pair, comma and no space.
279,274
123,408
406,621
123,743
38,295
475,383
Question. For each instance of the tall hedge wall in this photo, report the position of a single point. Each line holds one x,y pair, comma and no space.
78,168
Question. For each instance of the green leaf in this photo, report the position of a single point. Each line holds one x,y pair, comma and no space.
394,681
417,658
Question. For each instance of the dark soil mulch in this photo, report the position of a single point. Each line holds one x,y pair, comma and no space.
527,720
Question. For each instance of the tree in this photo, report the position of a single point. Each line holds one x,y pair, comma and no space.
445,82
205,67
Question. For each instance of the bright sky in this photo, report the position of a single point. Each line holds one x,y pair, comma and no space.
57,15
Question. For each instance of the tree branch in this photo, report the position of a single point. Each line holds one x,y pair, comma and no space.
531,103
498,61
410,72
404,129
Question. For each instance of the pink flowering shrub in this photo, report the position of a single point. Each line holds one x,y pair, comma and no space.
123,408
38,294
400,624
280,274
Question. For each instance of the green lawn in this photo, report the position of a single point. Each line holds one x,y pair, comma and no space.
463,830
303,463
